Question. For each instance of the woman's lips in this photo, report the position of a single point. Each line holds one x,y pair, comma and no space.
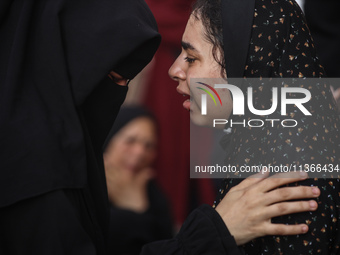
186,104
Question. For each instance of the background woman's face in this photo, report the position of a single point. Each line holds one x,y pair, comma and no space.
133,147
196,61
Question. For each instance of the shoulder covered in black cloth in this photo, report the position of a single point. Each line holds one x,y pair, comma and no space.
53,57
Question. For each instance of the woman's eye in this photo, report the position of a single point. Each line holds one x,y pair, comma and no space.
189,60
118,79
129,141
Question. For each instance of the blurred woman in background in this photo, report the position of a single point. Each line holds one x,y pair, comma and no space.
139,211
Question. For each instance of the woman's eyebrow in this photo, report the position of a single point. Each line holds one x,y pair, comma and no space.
187,45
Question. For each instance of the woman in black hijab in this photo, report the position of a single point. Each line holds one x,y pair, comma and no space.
139,212
57,106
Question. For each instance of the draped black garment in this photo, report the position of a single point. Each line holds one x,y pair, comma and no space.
57,104
54,60
280,45
56,107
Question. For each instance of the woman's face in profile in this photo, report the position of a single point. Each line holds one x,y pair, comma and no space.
196,61
133,148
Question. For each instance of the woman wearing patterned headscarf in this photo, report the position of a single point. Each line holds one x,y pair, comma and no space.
267,39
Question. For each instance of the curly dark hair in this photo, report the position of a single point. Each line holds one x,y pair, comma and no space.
209,13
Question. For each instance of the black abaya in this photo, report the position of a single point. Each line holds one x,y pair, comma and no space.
55,56
57,106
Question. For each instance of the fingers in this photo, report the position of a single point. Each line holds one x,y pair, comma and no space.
281,229
336,93
281,179
291,193
285,208
253,179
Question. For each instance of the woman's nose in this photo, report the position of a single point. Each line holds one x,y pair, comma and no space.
176,71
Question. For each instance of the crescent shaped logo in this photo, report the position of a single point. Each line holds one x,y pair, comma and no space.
209,93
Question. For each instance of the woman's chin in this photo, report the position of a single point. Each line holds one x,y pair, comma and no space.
200,120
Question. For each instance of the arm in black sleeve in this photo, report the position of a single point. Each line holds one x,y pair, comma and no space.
203,232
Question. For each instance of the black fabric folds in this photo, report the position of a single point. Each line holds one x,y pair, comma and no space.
237,18
54,59
203,232
130,231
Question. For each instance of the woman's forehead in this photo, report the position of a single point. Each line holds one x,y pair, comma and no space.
193,37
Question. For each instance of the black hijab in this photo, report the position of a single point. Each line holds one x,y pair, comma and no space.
125,116
279,45
56,103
